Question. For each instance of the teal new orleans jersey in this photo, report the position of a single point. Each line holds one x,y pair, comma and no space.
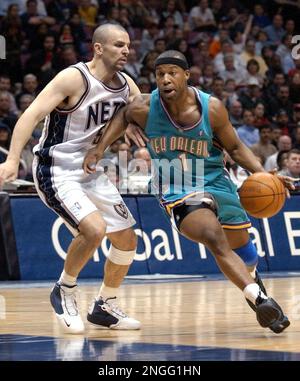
188,161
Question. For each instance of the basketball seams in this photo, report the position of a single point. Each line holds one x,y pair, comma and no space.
259,182
268,198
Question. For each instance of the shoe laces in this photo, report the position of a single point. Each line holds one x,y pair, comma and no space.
70,300
113,307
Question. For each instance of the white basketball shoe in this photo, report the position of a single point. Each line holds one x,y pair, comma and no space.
63,300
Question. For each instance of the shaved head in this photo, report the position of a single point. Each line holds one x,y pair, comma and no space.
104,31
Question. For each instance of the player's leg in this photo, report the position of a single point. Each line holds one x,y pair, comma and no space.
63,296
202,226
105,312
239,241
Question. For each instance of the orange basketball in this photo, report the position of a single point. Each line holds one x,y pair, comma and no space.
262,195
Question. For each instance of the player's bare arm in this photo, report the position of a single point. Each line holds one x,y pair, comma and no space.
65,84
229,139
137,113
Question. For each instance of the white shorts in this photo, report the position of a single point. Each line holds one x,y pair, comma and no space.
74,200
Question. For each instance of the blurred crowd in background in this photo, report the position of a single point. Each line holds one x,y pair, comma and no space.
239,51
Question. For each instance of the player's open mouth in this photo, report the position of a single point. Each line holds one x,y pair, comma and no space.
169,91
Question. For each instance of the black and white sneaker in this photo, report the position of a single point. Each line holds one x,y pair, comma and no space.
63,301
269,314
107,314
279,324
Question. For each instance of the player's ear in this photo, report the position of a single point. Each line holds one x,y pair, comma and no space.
187,74
98,49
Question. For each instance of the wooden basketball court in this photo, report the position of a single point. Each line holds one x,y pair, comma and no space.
191,319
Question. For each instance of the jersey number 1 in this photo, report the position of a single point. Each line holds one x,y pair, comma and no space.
184,162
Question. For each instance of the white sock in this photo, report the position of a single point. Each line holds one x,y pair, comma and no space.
107,292
252,291
67,279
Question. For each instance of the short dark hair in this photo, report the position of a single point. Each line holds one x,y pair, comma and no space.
296,151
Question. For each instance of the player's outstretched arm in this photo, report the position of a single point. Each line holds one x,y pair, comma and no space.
63,85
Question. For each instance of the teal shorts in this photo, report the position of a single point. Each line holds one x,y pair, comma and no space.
230,211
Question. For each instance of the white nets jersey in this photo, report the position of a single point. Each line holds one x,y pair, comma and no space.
57,167
68,134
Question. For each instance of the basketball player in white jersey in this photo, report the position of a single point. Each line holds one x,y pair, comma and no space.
78,103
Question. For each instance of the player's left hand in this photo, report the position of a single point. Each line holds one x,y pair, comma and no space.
287,181
90,160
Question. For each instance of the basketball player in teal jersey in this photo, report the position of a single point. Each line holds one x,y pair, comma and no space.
185,124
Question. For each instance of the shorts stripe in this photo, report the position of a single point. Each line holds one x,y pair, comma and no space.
243,225
46,186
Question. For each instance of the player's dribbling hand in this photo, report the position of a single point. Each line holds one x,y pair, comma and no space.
8,172
287,181
136,134
90,160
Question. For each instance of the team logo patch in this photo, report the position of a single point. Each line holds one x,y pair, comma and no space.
121,209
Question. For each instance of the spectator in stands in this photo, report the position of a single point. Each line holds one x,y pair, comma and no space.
5,85
252,95
201,17
235,114
275,31
281,101
61,10
275,83
41,61
138,13
295,88
264,148
253,72
171,9
6,116
284,144
66,36
226,48
248,133
5,135
217,88
132,67
149,35
296,137
259,114
230,72
260,18
144,85
67,57
292,164
31,19
88,13
282,121
275,134
30,86
195,76
284,52
261,42
182,46
296,114
249,53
